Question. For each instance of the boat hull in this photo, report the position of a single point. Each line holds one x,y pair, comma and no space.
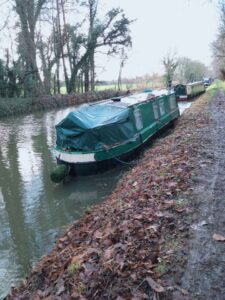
148,117
124,155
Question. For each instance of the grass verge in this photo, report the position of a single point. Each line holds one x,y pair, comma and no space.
15,106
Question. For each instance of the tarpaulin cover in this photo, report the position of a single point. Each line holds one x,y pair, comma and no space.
94,127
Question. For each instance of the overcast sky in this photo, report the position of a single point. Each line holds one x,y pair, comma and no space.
185,26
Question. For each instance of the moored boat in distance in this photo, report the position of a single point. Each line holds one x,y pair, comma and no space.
184,92
94,136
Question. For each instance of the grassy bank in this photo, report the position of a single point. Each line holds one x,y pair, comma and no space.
125,246
15,106
213,88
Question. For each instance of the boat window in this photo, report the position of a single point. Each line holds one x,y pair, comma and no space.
155,110
161,107
138,119
173,104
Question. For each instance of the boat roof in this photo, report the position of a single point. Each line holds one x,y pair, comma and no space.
194,83
136,98
142,97
91,126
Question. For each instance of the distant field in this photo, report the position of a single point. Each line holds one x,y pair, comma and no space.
124,87
63,90
104,87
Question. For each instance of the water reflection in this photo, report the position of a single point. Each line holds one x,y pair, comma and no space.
33,210
184,105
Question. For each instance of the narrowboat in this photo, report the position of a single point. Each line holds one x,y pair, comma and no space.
195,88
180,92
192,89
207,82
96,135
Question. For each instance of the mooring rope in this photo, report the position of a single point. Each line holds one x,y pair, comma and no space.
132,163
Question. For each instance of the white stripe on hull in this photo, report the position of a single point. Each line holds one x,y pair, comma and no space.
74,158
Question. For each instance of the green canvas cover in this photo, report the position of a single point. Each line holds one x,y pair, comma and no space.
94,127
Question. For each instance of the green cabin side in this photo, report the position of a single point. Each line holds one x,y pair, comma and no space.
153,115
148,117
195,88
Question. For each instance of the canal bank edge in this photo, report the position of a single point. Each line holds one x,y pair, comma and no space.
126,246
16,106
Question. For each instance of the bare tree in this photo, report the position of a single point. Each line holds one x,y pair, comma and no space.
50,49
218,46
123,58
61,39
112,32
29,12
190,70
170,64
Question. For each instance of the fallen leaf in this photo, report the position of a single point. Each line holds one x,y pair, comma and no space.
153,227
170,202
154,285
108,253
78,259
172,184
63,239
98,234
180,210
219,237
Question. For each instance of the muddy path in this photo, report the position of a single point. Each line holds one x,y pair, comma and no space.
204,274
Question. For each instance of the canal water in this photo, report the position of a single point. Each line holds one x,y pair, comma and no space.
184,105
33,210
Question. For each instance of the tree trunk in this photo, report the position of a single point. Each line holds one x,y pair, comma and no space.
86,76
92,71
57,78
66,36
120,77
62,47
54,84
76,67
47,68
28,14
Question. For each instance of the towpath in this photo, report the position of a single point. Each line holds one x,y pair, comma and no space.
204,274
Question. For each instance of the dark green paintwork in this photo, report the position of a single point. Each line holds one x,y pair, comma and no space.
147,118
151,125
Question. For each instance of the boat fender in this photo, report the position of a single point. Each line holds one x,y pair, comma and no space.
60,173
